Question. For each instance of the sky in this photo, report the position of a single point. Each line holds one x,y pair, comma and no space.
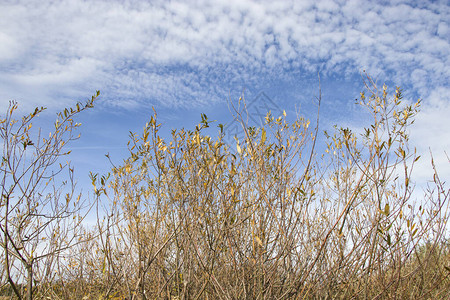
191,57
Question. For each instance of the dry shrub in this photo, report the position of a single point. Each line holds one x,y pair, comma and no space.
194,219
191,218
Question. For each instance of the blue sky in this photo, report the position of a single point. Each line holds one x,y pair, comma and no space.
187,58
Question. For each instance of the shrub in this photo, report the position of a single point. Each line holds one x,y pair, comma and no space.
190,217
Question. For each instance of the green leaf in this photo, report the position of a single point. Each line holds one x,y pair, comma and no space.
386,209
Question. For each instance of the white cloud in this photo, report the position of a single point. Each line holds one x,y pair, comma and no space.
8,47
431,132
187,50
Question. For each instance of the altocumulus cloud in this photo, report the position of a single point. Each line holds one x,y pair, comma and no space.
182,54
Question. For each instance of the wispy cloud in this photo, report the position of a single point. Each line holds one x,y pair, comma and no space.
183,54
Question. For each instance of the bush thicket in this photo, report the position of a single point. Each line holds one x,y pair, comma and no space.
189,217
